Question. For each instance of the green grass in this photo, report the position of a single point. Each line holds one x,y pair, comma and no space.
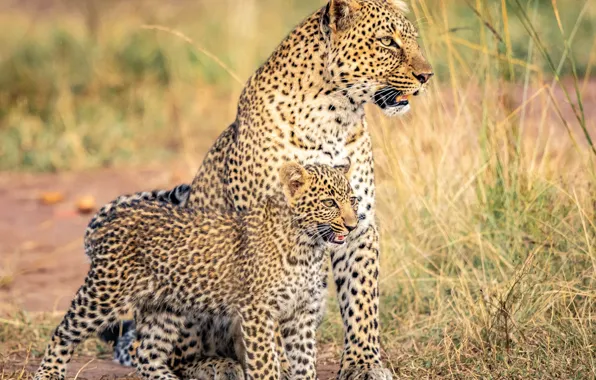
486,198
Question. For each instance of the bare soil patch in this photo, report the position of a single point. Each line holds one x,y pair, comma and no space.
89,368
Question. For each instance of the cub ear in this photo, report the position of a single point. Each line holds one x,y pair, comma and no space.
341,12
345,167
293,177
400,5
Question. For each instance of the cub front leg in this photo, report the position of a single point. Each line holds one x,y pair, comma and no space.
258,354
299,343
284,364
157,334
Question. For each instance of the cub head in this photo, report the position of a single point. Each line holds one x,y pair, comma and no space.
321,200
373,52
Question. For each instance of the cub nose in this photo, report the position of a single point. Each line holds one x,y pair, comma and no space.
423,77
350,227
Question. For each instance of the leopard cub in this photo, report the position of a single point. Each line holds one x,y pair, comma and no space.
255,268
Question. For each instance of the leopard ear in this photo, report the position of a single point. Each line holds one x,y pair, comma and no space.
293,178
340,13
345,167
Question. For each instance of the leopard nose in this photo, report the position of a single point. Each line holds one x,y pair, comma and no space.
423,77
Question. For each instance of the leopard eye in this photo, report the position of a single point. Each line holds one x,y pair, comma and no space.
328,203
388,42
353,201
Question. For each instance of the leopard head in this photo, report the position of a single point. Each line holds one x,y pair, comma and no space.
373,53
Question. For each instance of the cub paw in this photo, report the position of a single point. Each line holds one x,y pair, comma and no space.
46,374
215,369
377,373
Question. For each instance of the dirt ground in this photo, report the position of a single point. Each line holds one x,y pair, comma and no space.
41,244
42,262
86,368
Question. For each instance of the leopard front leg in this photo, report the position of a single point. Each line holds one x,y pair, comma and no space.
258,352
356,271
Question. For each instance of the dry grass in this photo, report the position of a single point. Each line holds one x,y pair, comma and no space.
23,337
485,195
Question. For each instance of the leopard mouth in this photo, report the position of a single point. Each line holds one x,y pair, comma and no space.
391,98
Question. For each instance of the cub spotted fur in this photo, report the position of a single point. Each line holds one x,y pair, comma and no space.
253,267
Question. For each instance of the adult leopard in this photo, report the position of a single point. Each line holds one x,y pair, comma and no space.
306,103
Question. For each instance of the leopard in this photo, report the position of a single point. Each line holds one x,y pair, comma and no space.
307,103
253,267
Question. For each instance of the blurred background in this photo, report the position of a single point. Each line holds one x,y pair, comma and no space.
486,198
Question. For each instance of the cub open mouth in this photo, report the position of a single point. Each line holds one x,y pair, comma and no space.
389,97
337,238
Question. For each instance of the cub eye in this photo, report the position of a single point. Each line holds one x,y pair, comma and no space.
329,203
353,201
388,42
